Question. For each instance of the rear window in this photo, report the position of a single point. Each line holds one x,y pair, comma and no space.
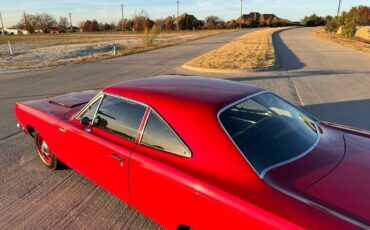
269,131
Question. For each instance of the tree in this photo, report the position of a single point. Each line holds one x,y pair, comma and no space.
349,27
169,23
313,20
141,21
63,23
89,26
159,23
357,16
332,24
45,22
28,22
232,24
262,22
360,15
275,22
213,22
107,26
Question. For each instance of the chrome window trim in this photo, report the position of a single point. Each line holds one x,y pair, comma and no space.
97,109
144,126
86,107
266,170
263,173
102,94
189,153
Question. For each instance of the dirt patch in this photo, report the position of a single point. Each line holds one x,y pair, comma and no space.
250,51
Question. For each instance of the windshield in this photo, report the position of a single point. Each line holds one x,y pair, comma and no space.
269,131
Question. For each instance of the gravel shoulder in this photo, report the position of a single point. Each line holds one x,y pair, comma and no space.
44,51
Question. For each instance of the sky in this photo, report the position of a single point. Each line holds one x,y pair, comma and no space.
110,10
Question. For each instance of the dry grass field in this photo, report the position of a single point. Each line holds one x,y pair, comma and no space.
359,44
363,32
78,38
45,50
250,51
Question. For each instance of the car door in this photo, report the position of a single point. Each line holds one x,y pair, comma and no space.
157,180
101,151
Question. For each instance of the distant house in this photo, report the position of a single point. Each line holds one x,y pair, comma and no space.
256,17
15,31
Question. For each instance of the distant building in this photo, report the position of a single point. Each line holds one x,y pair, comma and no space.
257,17
14,31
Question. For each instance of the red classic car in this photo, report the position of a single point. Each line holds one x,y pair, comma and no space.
202,153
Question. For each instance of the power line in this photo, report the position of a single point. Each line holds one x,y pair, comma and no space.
339,5
122,18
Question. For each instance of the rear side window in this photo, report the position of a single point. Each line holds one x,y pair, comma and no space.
120,117
157,134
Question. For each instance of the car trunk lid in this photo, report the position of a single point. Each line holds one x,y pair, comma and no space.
346,188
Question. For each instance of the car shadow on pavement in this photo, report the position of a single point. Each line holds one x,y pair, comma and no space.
352,113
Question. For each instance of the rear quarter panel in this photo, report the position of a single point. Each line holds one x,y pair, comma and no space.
172,197
41,122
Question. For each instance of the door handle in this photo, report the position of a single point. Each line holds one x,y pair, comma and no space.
118,158
62,130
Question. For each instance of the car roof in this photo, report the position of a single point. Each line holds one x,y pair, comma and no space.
189,90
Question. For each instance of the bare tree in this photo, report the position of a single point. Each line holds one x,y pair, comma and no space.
28,22
63,23
213,22
141,21
45,21
89,26
169,23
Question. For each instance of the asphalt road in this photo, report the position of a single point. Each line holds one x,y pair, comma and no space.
330,81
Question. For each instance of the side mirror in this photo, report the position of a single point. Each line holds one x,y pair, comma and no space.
85,121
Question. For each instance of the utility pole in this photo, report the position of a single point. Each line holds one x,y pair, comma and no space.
2,25
241,13
70,21
178,15
122,19
339,5
25,19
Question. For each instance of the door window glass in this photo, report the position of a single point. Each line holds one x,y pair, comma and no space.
120,117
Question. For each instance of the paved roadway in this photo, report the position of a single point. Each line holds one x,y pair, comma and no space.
330,81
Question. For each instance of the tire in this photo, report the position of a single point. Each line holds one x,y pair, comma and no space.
46,156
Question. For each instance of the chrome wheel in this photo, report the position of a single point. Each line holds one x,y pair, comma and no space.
43,150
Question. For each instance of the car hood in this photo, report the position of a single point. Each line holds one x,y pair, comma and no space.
63,106
346,188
